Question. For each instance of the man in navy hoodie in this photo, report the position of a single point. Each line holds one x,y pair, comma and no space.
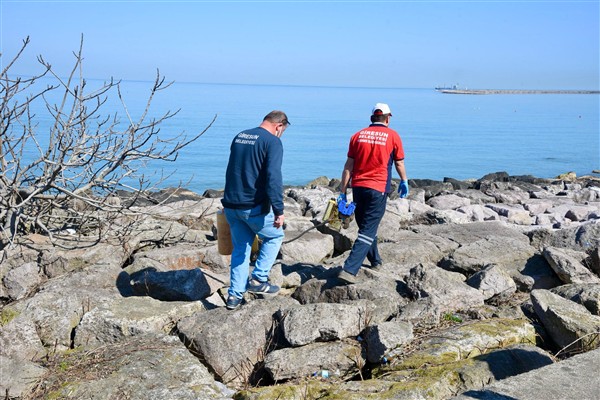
253,205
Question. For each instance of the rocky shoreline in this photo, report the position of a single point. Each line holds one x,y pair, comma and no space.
482,280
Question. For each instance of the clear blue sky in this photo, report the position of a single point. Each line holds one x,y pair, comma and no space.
476,44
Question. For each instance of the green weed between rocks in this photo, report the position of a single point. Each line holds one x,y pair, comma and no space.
7,315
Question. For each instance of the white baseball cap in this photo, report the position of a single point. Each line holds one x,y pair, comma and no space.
381,108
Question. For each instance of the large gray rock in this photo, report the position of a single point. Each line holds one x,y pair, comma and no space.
231,342
515,214
511,196
329,290
448,202
537,206
322,322
19,376
122,318
312,201
404,249
199,209
340,359
386,336
19,338
56,261
584,236
144,367
479,213
161,233
446,289
177,257
581,212
574,378
57,308
475,196
586,294
499,250
469,340
308,247
468,233
570,325
493,281
22,280
438,381
568,267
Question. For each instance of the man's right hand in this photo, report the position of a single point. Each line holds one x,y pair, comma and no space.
342,197
278,221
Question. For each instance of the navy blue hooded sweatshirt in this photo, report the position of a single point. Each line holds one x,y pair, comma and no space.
254,172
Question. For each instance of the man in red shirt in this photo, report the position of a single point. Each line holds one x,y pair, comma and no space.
371,153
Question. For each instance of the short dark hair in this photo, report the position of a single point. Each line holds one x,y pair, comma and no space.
379,118
277,117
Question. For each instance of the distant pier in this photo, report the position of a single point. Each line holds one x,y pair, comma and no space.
511,91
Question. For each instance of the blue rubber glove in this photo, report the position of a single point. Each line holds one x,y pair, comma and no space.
342,197
403,189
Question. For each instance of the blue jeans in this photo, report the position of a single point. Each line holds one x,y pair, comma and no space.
244,226
370,208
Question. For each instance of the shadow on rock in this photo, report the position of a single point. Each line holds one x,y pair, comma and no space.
486,395
178,285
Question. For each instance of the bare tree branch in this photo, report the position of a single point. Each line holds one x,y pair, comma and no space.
67,178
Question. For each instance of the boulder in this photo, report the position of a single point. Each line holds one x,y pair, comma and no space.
586,294
230,343
581,212
515,214
19,338
57,262
448,202
327,289
510,195
177,257
384,337
479,213
56,315
537,206
476,196
19,376
142,367
310,247
321,322
568,267
123,318
493,281
340,359
573,378
570,325
22,280
312,201
436,381
583,236
445,288
467,341
472,257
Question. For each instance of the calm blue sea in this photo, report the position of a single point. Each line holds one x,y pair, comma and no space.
444,135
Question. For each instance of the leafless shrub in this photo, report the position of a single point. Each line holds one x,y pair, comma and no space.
64,182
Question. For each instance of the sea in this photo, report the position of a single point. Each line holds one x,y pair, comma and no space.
444,135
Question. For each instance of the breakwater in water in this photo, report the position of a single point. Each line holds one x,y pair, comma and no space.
514,91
